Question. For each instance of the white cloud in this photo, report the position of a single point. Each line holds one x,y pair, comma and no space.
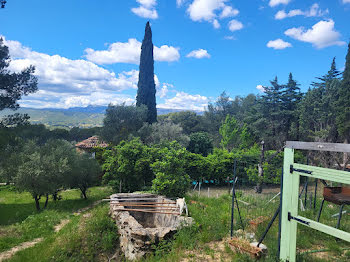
273,3
346,1
260,88
184,100
320,35
147,3
216,24
129,52
282,14
60,73
210,11
180,2
314,11
228,11
201,10
146,9
144,12
118,52
65,82
163,90
200,53
166,53
278,44
235,25
44,99
229,37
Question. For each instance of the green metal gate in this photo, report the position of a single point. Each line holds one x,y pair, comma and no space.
291,177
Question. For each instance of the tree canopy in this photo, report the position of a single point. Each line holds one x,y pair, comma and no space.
122,121
14,85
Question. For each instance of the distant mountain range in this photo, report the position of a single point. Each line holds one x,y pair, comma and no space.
89,116
102,110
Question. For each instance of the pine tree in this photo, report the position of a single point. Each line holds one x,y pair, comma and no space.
333,73
343,117
318,109
146,92
271,122
14,85
291,96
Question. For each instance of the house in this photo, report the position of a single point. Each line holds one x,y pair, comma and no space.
88,145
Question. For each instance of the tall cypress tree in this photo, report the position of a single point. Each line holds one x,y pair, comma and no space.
146,92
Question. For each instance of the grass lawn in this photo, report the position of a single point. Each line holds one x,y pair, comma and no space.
203,241
89,237
20,222
93,236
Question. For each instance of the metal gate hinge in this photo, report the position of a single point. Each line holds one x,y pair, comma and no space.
292,169
297,219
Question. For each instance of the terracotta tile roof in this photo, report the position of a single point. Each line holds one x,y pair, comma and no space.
91,142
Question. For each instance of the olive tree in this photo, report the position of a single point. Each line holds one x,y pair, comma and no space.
84,173
161,132
42,168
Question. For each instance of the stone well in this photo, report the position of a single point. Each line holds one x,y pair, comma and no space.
155,218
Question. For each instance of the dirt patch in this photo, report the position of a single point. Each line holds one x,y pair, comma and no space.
61,224
217,191
9,231
82,210
8,254
326,255
213,251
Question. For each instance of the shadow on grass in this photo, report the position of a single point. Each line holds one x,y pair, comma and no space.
14,213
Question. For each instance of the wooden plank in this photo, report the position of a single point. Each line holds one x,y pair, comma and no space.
134,199
323,173
152,206
142,203
326,229
147,211
334,147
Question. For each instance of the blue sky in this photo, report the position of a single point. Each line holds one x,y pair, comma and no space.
87,52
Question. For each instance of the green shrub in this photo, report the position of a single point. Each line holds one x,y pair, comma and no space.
171,178
200,143
127,166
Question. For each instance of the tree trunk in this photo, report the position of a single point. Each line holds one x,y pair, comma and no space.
258,188
83,191
37,205
345,156
47,200
54,196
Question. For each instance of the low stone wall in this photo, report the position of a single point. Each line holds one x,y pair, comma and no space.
139,231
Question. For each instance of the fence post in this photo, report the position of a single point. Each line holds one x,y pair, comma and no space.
289,204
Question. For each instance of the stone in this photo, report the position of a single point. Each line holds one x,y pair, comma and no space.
261,246
140,231
250,236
